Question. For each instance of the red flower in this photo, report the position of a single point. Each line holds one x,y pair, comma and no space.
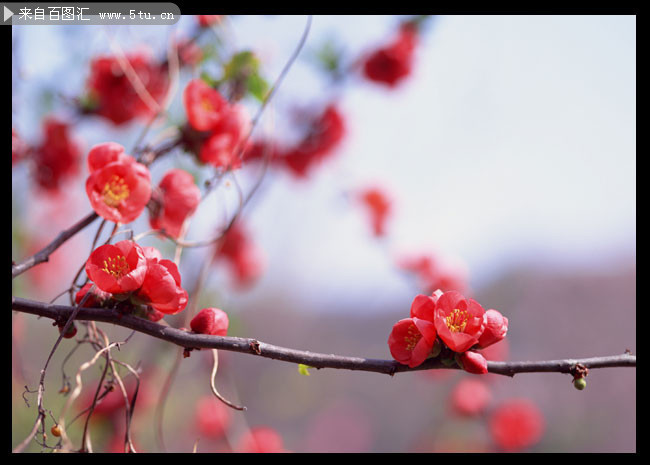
391,64
161,287
96,299
180,197
210,321
241,254
459,321
212,417
261,439
379,207
208,20
470,397
189,53
325,134
517,424
424,306
117,268
473,362
120,190
115,96
496,327
102,154
203,104
222,148
58,155
411,341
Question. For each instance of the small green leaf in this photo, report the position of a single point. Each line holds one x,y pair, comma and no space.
304,369
257,86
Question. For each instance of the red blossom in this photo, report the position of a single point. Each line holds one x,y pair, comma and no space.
411,340
517,424
117,268
102,154
459,321
57,157
212,417
325,134
211,321
96,299
189,53
470,397
473,362
208,20
379,208
120,190
261,439
203,104
222,148
391,64
114,95
496,327
161,287
180,197
239,251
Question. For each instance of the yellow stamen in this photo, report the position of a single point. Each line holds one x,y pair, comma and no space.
457,320
115,191
116,266
412,338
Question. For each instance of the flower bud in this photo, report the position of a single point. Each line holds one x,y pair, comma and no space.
473,362
580,383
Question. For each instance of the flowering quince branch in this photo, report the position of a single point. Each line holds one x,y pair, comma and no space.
252,346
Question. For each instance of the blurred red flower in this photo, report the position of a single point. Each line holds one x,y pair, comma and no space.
222,148
115,97
391,64
432,274
261,439
212,321
18,147
57,157
470,397
516,424
244,258
208,20
203,105
120,190
378,206
212,417
117,268
325,133
459,321
180,197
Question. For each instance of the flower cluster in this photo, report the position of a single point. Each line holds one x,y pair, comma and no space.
127,271
121,90
449,325
118,187
222,126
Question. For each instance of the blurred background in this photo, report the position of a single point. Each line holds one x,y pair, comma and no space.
507,155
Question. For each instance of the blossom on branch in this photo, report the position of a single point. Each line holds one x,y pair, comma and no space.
459,321
211,321
411,341
57,157
117,268
180,197
161,287
120,190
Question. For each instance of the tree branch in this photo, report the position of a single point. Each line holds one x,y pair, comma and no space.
252,346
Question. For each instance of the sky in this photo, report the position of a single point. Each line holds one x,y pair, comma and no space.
513,142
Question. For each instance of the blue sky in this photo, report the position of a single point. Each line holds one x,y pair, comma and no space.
514,141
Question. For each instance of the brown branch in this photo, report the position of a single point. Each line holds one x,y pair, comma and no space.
44,254
252,346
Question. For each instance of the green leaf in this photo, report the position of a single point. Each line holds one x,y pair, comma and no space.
304,369
257,86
